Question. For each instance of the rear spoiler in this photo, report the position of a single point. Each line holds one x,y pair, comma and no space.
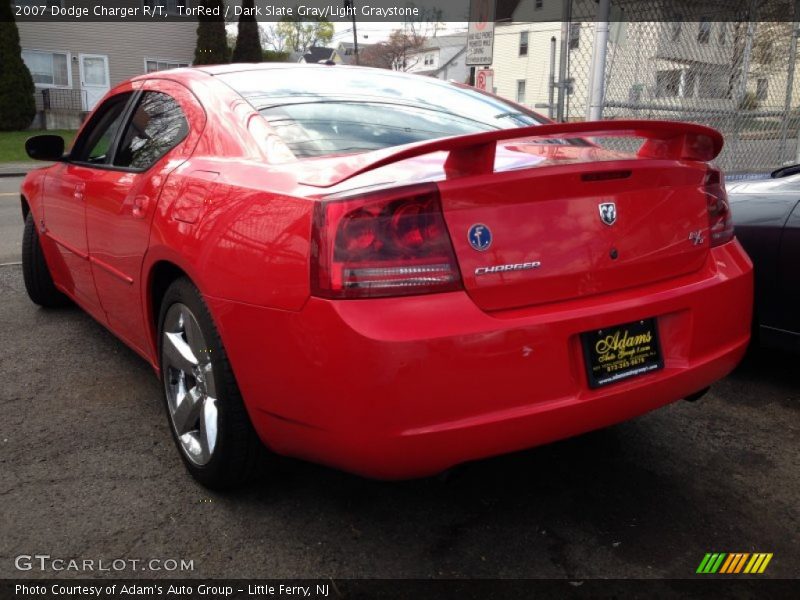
474,154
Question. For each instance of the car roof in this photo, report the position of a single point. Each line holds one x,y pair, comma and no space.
193,73
239,67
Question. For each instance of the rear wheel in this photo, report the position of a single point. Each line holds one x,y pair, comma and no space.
209,423
38,281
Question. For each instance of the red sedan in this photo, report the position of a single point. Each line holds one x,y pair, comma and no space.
384,272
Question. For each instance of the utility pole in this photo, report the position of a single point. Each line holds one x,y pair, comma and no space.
597,79
551,95
351,4
787,105
566,18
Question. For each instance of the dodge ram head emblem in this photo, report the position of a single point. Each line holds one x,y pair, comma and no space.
608,213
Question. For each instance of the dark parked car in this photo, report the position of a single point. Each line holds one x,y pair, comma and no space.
766,215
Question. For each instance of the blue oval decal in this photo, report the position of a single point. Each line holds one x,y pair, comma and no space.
479,236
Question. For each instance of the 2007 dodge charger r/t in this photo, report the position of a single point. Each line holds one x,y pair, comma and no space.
384,272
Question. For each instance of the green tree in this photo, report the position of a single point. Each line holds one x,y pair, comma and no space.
301,35
248,42
17,106
212,42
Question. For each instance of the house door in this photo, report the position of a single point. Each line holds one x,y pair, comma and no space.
94,79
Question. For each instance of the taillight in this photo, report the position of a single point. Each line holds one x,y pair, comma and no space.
389,243
719,211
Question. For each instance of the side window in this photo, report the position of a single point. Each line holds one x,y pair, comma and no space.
95,142
156,127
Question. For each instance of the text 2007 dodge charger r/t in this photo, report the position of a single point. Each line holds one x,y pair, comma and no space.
383,272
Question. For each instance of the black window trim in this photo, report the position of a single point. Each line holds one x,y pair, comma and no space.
127,116
127,113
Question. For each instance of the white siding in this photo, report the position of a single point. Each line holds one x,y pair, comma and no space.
126,44
416,60
509,66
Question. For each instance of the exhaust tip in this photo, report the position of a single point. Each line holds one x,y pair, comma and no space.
697,395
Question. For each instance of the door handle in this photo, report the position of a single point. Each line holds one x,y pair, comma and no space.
140,205
78,193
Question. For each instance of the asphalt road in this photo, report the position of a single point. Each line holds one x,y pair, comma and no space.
10,220
88,471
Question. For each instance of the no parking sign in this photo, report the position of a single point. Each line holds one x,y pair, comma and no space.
484,80
480,34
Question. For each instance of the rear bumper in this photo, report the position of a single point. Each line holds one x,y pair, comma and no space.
406,387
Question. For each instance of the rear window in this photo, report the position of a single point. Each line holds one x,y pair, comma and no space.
321,111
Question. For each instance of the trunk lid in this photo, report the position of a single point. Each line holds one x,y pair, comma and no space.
541,234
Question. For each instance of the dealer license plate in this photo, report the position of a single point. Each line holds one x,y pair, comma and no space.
622,351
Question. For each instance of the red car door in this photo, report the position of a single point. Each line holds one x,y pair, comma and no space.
64,218
160,132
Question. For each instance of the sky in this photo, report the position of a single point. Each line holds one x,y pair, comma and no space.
370,32
376,32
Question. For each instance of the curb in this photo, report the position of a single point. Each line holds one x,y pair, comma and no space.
20,169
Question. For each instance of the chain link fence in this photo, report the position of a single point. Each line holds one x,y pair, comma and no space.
737,76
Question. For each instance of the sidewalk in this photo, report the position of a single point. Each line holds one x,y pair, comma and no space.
20,169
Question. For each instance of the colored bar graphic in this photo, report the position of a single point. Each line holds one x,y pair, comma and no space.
741,562
754,564
734,563
717,563
703,563
764,564
726,565
711,562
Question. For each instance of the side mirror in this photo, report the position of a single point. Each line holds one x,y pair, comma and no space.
45,147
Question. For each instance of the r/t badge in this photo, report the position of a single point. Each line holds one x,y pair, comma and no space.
696,237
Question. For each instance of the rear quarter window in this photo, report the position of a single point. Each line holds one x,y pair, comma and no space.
156,127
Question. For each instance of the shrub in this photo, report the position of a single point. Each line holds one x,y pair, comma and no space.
248,42
212,41
17,106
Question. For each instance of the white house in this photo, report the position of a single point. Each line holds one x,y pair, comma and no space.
442,57
74,64
657,68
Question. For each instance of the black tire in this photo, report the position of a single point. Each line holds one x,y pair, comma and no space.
38,281
239,454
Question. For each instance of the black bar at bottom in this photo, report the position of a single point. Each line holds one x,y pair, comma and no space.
357,589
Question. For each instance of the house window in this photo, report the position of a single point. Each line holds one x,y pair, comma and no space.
170,6
523,43
704,31
48,69
521,91
574,36
428,60
151,65
538,5
713,84
762,89
668,83
690,83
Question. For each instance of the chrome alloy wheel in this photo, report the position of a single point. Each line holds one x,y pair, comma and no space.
189,384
